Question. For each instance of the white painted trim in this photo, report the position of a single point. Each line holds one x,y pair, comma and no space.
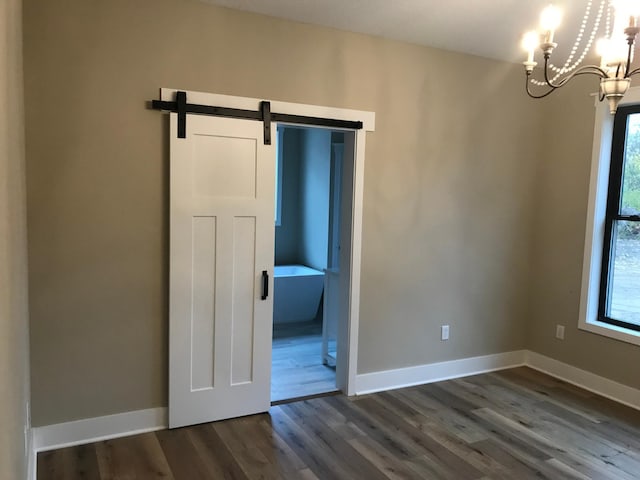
32,457
581,378
436,372
356,257
90,430
594,234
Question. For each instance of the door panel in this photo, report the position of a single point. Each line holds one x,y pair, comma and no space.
242,316
222,234
203,317
224,166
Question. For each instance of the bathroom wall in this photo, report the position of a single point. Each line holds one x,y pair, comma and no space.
303,236
288,232
314,198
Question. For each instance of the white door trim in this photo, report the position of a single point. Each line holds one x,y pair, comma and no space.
368,123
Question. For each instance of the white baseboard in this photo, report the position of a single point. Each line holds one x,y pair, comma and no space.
90,430
31,458
581,378
435,372
120,425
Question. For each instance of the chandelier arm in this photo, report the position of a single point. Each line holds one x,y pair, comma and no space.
546,72
629,55
633,72
531,94
591,69
586,69
585,72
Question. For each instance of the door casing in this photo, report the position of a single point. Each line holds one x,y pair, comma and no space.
346,381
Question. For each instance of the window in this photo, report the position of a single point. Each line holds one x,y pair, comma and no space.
619,302
610,294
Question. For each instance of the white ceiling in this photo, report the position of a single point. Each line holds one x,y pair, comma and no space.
488,28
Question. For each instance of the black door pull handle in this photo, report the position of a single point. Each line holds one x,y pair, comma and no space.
265,285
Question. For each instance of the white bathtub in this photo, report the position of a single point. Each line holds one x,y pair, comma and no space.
296,293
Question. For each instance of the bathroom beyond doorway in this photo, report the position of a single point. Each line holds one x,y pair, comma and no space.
309,188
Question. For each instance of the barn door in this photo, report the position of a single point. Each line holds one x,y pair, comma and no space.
221,242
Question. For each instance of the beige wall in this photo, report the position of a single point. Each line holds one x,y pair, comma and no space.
14,347
447,197
561,207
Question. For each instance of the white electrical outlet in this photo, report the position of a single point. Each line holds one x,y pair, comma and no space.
444,332
560,332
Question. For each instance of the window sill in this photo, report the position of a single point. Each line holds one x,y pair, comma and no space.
611,331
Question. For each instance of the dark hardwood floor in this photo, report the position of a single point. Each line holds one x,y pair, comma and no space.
515,424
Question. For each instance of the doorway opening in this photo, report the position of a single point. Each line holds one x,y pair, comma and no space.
308,316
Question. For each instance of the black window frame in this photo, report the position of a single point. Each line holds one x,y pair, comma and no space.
613,214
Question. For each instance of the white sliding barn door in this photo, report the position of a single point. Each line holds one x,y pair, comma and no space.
221,240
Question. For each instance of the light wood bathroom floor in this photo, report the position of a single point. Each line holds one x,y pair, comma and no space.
296,367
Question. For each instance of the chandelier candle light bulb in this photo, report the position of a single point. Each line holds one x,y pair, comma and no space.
550,19
530,41
603,49
615,49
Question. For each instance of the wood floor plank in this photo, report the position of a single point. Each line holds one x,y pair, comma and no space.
73,463
374,429
463,426
565,470
528,381
140,456
615,434
517,424
520,464
178,450
306,447
330,417
433,451
442,433
337,446
214,453
389,465
279,452
513,433
50,465
244,437
481,462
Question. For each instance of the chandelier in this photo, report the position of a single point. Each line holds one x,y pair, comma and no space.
619,20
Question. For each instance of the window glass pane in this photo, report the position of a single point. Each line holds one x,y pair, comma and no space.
630,204
625,277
